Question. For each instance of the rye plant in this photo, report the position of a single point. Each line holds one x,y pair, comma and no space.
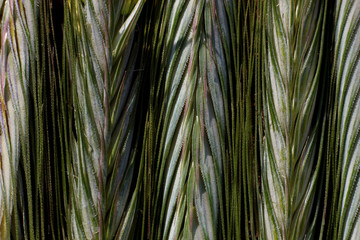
290,163
18,53
344,147
105,89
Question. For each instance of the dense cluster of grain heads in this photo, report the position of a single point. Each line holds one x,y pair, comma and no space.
179,119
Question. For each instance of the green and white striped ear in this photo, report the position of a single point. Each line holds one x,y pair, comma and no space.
194,70
346,74
105,98
290,166
16,54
